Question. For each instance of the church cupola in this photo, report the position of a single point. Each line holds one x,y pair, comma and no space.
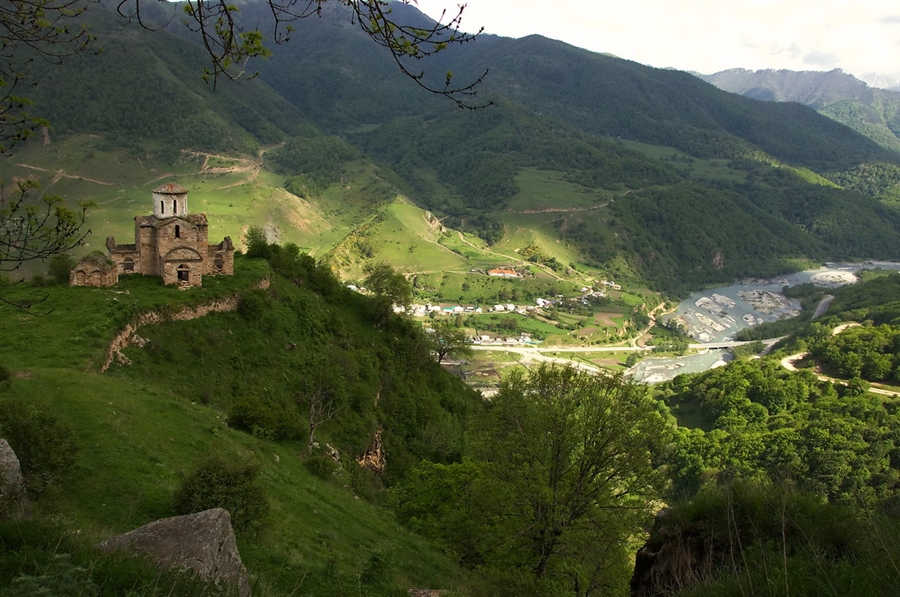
169,200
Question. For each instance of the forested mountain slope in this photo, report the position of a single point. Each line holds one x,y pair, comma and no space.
144,91
597,93
643,173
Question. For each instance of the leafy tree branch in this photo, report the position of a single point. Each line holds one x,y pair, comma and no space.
37,228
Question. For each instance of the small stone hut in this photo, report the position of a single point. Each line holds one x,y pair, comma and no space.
172,244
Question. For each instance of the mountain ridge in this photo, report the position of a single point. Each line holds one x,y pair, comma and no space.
596,132
838,95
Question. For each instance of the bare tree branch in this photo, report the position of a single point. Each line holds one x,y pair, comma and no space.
37,228
33,30
231,46
322,403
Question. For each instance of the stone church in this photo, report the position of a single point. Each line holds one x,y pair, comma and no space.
171,243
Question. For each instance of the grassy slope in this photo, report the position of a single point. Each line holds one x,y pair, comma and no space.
139,433
119,184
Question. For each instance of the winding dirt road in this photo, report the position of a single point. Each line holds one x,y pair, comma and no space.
789,361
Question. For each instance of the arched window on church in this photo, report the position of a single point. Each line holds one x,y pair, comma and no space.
162,207
128,265
177,231
175,206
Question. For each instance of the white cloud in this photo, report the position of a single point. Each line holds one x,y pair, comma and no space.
859,36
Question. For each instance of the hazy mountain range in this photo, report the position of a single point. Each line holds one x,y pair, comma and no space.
872,112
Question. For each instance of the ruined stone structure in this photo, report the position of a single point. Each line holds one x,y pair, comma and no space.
94,270
171,244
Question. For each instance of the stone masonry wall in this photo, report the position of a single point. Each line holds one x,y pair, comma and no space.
220,305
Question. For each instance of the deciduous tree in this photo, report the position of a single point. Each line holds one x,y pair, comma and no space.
571,461
390,288
322,404
445,339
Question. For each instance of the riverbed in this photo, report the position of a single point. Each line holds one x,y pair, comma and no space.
717,314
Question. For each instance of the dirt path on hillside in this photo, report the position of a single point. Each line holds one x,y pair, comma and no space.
557,210
553,210
843,327
251,165
517,259
789,361
60,174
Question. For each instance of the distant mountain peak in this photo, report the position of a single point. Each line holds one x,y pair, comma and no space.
863,106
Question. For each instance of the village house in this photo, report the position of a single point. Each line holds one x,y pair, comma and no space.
171,244
503,272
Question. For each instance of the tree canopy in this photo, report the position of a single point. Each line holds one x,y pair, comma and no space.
563,475
448,340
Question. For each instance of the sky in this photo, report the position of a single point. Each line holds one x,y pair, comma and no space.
861,37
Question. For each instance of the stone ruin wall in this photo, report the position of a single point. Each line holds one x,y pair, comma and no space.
220,305
93,275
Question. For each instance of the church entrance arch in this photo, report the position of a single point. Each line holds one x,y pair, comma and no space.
184,273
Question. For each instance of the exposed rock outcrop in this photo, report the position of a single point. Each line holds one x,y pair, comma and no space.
203,543
374,458
13,500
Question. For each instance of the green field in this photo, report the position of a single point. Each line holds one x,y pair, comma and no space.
356,222
709,169
548,189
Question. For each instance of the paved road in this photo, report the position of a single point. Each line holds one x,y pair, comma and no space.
540,349
823,306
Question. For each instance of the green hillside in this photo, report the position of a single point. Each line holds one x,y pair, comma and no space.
355,464
228,383
675,220
144,92
688,184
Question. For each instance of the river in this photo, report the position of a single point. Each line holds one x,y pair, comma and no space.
717,314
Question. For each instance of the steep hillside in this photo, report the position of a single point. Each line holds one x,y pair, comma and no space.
144,92
610,96
232,384
716,186
672,219
598,94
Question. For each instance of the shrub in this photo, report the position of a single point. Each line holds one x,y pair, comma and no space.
253,304
265,418
257,243
46,445
229,482
59,268
321,466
